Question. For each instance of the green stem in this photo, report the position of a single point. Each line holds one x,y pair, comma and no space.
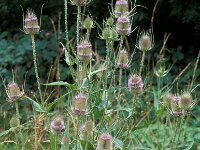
66,26
121,42
17,110
18,118
35,66
142,62
120,79
175,133
78,38
77,133
179,133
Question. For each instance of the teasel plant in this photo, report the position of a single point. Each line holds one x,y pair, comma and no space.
145,43
14,94
31,26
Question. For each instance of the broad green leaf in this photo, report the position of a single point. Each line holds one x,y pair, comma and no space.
36,105
61,83
52,141
118,143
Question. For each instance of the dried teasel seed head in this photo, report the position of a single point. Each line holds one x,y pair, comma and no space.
58,125
123,25
31,25
121,8
167,100
13,92
135,83
122,59
84,51
79,105
185,101
145,41
105,142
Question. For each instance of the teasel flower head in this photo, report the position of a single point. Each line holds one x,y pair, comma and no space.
109,34
88,23
57,125
135,83
185,101
86,130
14,121
84,51
80,2
161,69
13,92
145,41
121,8
122,59
89,125
86,134
105,142
31,25
79,105
175,107
123,25
110,21
167,100
65,141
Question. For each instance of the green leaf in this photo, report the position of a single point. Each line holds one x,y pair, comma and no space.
52,141
61,83
118,143
125,113
89,145
36,105
67,56
10,130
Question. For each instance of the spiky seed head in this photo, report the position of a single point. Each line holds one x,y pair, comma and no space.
31,25
79,2
122,59
13,92
145,42
123,25
58,125
185,101
109,34
89,125
110,21
105,142
88,23
84,51
167,100
135,83
121,8
65,141
79,105
14,121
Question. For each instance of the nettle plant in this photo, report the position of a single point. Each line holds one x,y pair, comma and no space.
104,108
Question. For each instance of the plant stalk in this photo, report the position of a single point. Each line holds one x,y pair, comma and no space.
35,66
142,62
